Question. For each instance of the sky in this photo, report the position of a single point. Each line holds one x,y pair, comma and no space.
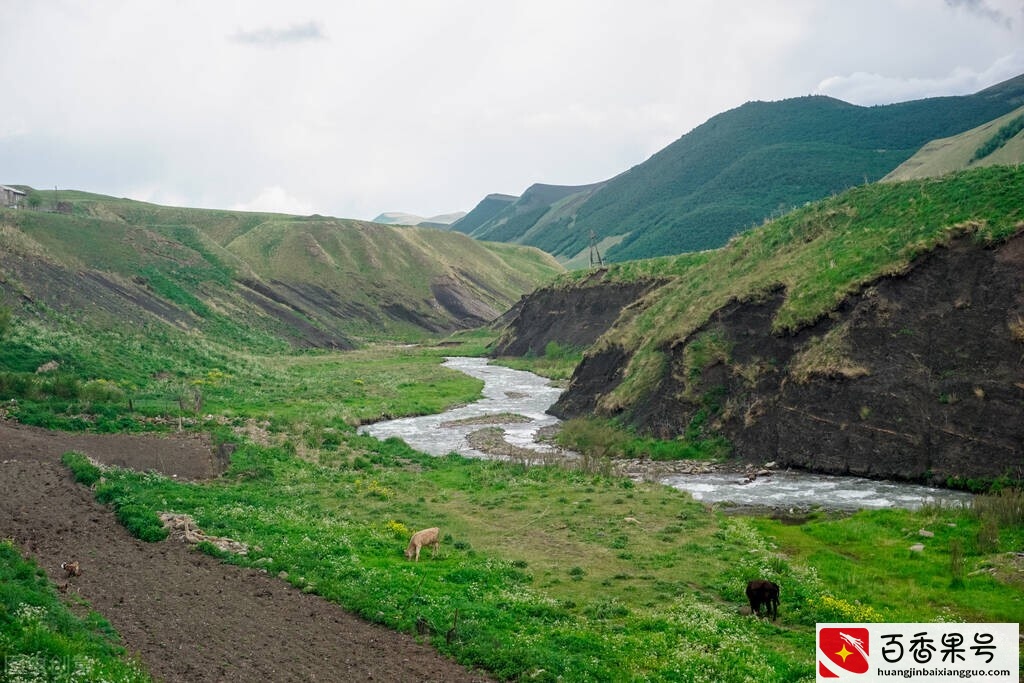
352,109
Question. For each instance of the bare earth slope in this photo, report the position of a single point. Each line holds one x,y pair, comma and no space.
186,615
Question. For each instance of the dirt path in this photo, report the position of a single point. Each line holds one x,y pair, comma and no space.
187,616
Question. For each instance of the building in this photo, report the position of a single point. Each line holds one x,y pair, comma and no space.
12,198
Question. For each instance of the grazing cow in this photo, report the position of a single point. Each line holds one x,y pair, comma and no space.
419,539
766,593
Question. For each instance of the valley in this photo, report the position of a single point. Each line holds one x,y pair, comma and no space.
231,366
539,561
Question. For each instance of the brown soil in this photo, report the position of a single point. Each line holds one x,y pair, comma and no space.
187,616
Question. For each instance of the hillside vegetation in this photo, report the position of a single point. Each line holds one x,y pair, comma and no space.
741,167
877,332
541,209
818,255
261,279
998,142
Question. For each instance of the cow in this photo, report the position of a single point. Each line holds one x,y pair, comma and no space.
422,538
761,592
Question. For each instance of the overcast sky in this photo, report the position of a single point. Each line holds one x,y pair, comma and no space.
355,108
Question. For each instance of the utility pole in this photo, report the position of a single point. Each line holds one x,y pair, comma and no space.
595,254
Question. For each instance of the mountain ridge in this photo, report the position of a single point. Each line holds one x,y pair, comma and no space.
312,281
743,166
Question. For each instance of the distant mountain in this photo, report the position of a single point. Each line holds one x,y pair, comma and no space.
542,209
489,207
740,168
399,218
998,142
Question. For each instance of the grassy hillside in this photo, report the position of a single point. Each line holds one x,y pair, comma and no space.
997,142
541,209
749,164
819,254
489,206
313,280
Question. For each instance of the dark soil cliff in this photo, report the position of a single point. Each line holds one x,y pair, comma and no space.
918,377
573,317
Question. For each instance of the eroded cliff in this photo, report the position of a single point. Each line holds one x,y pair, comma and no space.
918,376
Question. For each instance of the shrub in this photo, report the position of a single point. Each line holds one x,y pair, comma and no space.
1005,507
1001,137
61,386
592,437
141,521
956,563
555,351
15,385
85,472
102,390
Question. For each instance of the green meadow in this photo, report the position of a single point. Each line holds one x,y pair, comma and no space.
556,573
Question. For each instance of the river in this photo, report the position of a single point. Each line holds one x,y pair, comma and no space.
515,392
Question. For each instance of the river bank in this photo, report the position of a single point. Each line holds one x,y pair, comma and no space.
511,422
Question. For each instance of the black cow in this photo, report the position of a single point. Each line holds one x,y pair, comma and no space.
766,593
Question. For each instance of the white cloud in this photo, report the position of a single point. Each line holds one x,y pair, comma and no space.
274,37
872,88
275,199
400,104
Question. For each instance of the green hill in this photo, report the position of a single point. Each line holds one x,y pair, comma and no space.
746,165
483,212
312,281
541,210
997,142
877,333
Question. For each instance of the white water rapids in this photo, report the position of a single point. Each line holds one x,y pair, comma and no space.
524,394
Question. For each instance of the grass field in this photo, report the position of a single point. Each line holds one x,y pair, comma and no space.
41,640
555,573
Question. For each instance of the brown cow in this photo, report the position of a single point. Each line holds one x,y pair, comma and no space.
761,592
419,539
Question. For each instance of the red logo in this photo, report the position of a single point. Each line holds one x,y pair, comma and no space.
842,649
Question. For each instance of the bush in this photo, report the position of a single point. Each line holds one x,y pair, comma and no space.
15,385
555,351
1001,137
597,439
1005,506
102,390
85,472
61,386
141,521
592,437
